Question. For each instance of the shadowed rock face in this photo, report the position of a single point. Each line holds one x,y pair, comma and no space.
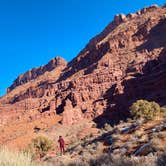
123,63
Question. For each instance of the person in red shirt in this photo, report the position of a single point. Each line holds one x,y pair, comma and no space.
61,145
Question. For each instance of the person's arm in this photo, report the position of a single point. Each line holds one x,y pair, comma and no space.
63,141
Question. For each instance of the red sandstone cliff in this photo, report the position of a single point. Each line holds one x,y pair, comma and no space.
36,72
123,63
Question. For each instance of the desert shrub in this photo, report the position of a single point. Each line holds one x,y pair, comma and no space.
143,109
107,160
162,135
102,160
110,160
78,162
163,111
157,145
11,158
138,133
40,146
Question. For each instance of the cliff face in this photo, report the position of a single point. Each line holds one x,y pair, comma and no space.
36,72
123,63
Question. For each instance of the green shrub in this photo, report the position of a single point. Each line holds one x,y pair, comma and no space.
163,111
40,146
11,158
143,109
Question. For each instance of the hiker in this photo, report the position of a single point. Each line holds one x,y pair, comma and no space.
61,145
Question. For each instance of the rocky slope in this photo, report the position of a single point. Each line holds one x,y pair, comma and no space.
138,142
123,63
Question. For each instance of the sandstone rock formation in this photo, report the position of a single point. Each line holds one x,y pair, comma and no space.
35,72
123,63
71,114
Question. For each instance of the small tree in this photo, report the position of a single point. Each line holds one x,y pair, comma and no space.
143,109
41,145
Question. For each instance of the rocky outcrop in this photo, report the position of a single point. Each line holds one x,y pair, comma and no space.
35,72
70,114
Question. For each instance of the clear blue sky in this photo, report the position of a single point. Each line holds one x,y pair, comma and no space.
34,31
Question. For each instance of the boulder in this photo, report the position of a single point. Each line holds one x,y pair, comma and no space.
143,150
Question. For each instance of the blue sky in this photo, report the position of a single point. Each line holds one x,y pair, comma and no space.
34,31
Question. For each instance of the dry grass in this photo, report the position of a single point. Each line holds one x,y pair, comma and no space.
11,158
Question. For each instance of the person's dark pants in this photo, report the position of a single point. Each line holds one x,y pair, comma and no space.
62,149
